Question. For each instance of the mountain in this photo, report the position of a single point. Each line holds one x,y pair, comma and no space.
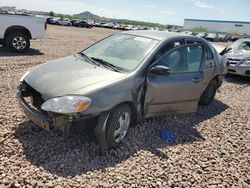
88,16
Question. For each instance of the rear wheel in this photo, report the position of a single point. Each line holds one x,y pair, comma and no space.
208,95
18,42
118,125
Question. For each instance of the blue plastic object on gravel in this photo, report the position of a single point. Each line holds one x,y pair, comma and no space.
167,135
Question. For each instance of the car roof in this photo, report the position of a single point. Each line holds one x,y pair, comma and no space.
158,35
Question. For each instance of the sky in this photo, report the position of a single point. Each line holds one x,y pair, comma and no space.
159,11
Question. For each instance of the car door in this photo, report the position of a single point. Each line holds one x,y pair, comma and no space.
209,65
180,90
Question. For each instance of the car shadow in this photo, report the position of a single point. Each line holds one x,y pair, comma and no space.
235,79
31,52
79,153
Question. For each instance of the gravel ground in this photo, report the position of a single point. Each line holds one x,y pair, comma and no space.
211,147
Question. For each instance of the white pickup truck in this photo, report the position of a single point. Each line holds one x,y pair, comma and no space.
17,30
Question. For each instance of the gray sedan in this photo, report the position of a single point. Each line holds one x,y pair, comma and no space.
238,57
121,80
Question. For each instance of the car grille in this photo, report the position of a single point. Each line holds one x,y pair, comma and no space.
233,62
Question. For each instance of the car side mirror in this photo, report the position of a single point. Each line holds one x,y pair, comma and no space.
160,70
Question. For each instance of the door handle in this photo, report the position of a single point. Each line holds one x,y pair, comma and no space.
196,80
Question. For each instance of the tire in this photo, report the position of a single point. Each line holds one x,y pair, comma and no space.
113,136
3,43
57,23
18,42
208,95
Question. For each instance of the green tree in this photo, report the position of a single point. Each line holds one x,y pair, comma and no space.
51,13
200,29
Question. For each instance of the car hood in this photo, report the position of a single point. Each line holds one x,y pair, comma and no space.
67,75
237,54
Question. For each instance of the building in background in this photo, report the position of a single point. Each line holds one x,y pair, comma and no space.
218,26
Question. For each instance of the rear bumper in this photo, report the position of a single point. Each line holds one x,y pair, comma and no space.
42,120
239,70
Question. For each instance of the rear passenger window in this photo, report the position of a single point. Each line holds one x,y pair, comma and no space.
208,54
194,57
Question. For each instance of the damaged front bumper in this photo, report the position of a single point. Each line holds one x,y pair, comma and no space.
43,120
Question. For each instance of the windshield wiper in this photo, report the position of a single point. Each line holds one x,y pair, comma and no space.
107,64
87,58
226,50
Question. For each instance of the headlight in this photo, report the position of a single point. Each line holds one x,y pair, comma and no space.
66,104
246,61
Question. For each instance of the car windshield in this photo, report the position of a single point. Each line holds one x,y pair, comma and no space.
122,50
241,45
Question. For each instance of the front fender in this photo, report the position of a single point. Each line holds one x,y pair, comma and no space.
109,96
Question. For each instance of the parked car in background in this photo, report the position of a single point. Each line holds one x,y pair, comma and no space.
235,37
61,22
152,73
143,28
116,26
191,33
213,37
103,24
238,57
129,27
202,35
225,37
83,24
16,31
74,21
245,36
122,27
97,24
49,20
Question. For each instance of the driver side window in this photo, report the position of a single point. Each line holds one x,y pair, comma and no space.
175,60
167,47
184,59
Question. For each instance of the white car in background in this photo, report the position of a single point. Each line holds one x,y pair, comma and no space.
238,57
17,30
61,22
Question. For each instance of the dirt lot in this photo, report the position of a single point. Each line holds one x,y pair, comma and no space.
211,149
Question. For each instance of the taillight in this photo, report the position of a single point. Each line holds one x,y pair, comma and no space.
45,26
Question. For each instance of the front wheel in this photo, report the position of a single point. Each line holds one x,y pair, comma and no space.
18,42
118,125
208,95
3,43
